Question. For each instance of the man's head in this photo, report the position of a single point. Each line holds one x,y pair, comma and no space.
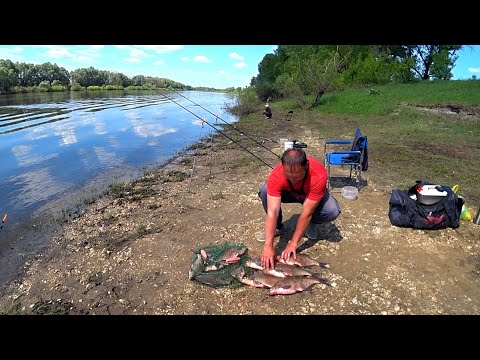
295,164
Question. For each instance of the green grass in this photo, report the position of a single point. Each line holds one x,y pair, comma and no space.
406,143
360,102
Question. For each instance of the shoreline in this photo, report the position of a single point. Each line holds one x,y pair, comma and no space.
29,238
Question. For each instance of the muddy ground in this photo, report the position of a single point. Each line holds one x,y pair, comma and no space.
130,252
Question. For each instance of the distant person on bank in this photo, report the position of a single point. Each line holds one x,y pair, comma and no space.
267,113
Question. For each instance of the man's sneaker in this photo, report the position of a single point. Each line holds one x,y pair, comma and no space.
312,231
278,232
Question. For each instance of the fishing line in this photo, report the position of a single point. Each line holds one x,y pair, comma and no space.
210,157
193,163
221,132
232,126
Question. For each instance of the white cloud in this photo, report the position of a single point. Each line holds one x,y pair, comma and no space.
84,59
58,52
160,49
474,70
90,52
159,62
222,72
132,59
202,59
235,56
11,53
240,65
185,58
137,53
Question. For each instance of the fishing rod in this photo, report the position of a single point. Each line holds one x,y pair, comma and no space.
232,126
221,132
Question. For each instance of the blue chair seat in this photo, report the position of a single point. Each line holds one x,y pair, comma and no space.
355,158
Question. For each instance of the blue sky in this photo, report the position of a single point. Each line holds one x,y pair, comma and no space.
468,63
217,66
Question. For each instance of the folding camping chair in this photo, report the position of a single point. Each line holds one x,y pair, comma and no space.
356,158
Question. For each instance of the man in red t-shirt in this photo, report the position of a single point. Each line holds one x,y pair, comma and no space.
297,179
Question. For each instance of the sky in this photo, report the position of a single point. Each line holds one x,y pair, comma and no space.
216,66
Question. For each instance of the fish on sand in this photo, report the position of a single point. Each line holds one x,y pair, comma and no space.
256,264
292,285
303,260
266,279
196,267
239,274
232,255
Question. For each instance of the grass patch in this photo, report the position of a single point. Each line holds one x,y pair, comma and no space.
217,196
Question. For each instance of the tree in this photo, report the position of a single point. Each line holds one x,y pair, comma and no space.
434,61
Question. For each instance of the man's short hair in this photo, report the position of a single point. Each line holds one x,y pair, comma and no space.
294,157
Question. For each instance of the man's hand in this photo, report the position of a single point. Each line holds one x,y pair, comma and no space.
290,250
268,260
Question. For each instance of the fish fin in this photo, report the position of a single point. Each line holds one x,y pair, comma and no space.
321,279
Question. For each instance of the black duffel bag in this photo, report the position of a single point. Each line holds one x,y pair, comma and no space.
407,212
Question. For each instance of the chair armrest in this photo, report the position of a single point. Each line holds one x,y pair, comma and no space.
346,152
338,141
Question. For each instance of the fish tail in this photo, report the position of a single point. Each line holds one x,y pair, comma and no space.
321,279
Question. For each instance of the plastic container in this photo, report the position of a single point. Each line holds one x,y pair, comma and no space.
288,145
349,192
430,194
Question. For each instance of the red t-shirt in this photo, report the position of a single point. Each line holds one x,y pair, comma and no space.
314,186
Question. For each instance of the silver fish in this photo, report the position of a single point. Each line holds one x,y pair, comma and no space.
265,279
197,267
232,255
214,267
292,285
239,274
292,270
254,264
303,260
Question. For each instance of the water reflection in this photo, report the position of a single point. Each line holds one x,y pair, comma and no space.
53,144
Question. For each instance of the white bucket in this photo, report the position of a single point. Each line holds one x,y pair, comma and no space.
288,145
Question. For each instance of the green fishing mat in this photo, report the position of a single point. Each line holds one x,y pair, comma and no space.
223,276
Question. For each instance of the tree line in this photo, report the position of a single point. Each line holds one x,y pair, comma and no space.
22,77
306,72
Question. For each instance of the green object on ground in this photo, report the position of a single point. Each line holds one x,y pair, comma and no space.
221,277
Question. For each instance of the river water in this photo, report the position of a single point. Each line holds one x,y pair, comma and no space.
63,148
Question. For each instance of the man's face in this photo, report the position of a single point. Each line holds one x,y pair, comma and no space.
294,174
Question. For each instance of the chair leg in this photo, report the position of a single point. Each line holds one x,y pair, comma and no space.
328,176
357,174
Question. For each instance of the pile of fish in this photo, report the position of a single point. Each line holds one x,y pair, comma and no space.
287,277
212,265
228,265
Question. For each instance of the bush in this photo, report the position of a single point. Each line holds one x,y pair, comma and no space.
246,103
